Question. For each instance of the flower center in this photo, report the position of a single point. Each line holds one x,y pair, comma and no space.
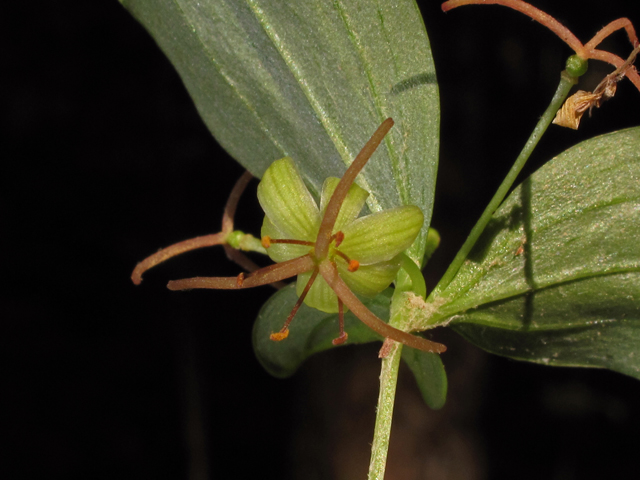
336,240
352,266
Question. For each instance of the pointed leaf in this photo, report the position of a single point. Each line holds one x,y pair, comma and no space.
312,331
555,279
428,370
311,79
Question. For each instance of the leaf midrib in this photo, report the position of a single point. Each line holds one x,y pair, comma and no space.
228,80
332,133
464,307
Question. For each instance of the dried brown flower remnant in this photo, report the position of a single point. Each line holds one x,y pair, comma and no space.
571,112
577,104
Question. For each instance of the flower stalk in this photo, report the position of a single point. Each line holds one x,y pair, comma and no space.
566,82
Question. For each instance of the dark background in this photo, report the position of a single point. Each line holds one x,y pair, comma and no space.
104,160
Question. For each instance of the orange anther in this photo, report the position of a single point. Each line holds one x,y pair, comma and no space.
266,241
279,336
339,237
353,265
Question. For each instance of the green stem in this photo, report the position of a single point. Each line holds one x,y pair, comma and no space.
391,363
384,413
388,383
566,82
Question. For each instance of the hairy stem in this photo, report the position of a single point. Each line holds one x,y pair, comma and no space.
386,398
384,412
566,82
232,201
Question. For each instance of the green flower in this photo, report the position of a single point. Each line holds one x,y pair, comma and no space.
374,241
331,250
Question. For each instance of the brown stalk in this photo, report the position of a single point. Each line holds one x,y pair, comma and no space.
203,241
232,202
538,15
611,28
585,52
333,207
264,276
330,273
176,249
629,70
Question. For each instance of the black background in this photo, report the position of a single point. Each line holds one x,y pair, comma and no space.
104,160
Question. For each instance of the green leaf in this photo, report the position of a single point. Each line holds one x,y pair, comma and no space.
428,370
555,278
310,332
311,79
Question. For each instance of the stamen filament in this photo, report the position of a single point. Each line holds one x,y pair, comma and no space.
268,241
284,331
353,264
